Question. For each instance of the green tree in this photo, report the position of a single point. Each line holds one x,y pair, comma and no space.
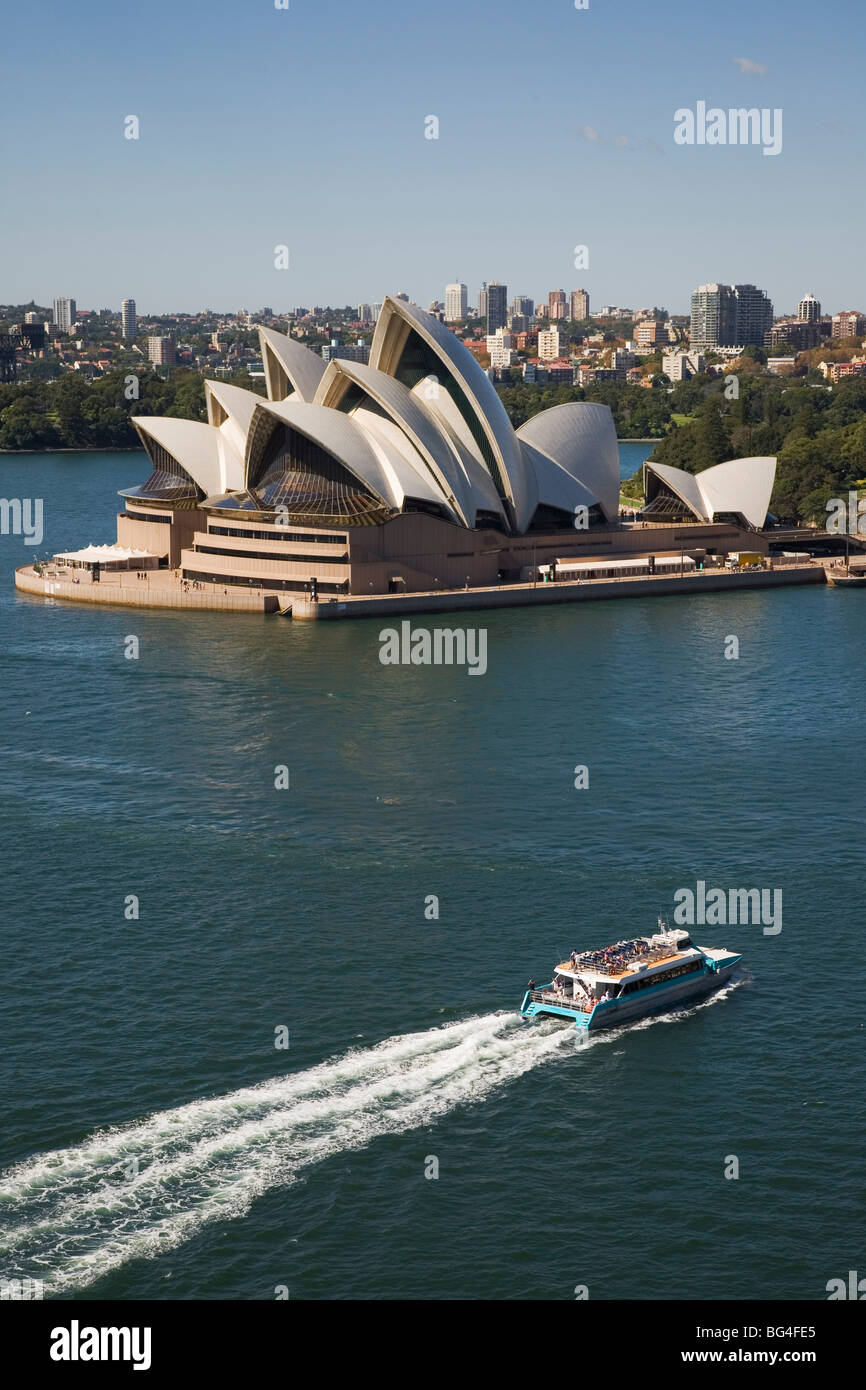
712,444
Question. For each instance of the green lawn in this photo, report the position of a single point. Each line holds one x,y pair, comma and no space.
682,419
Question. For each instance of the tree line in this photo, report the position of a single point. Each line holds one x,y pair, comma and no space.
73,413
818,435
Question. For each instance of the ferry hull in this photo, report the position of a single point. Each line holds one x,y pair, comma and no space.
656,999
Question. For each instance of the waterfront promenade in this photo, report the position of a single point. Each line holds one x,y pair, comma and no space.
563,591
151,589
163,589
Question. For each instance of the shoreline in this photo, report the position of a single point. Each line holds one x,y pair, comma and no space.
136,449
303,609
84,449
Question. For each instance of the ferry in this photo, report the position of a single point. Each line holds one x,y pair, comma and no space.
630,979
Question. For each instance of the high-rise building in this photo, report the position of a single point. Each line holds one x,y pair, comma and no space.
162,350
849,324
456,302
754,316
730,316
497,314
64,314
365,313
714,316
548,344
32,316
375,311
522,306
482,301
579,305
556,305
128,320
809,309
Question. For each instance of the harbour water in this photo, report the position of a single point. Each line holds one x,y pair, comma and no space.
157,1144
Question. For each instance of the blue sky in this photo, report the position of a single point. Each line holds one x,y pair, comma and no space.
305,127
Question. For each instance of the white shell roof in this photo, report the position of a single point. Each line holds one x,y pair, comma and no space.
581,439
738,485
334,432
404,444
476,386
235,402
402,466
464,484
303,368
684,484
205,453
230,409
556,487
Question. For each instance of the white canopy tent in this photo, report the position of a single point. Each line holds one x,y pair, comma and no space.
109,557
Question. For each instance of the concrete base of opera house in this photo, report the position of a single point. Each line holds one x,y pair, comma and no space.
563,591
163,590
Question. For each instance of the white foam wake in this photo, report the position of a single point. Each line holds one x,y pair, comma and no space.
72,1215
78,1213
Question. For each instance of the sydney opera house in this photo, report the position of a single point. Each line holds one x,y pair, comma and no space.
403,475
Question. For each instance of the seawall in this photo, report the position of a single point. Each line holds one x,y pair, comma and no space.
146,596
169,594
565,591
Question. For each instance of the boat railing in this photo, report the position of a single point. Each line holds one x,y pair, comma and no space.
618,965
549,996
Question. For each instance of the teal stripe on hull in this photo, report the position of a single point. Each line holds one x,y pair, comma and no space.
650,1000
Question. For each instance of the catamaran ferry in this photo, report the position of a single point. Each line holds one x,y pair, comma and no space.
619,983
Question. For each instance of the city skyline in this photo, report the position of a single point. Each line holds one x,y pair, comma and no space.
108,216
472,306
